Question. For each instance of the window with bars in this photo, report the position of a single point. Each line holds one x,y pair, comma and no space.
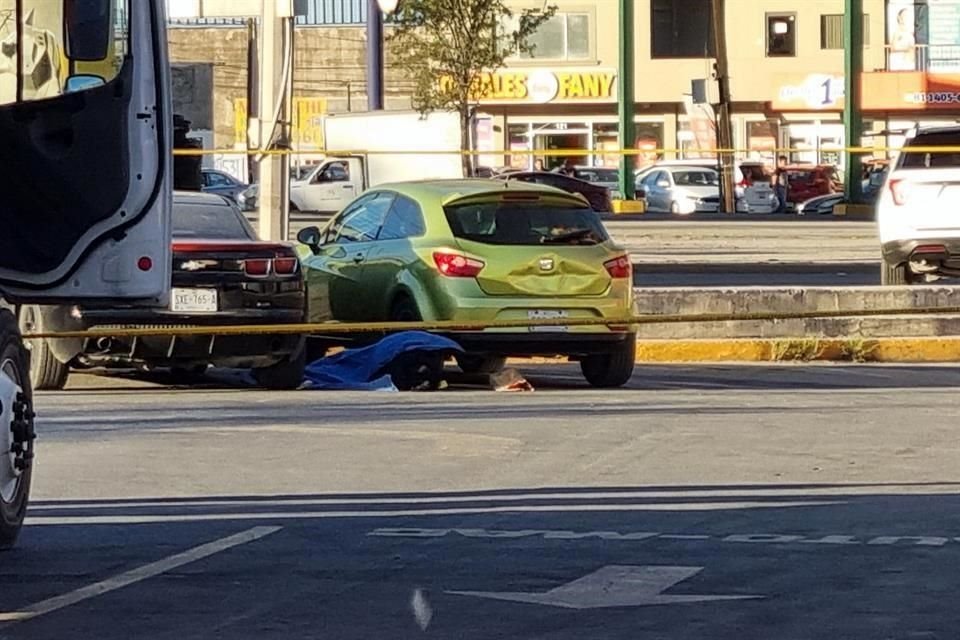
831,31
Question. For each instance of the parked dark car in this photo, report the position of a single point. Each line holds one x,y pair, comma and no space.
222,184
221,275
597,196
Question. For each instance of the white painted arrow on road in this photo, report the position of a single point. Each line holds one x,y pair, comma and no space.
612,586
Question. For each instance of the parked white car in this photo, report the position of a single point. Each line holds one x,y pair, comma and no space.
682,189
917,210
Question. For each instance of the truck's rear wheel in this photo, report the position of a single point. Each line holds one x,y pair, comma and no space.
894,274
46,372
16,430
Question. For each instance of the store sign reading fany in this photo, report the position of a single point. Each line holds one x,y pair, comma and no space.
542,86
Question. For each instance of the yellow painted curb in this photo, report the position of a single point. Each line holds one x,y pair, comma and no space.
629,206
859,210
801,350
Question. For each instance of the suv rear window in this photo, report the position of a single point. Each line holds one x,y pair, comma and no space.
525,223
931,160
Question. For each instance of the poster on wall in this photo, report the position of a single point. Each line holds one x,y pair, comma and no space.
901,35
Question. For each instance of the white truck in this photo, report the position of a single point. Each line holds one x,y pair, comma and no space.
370,149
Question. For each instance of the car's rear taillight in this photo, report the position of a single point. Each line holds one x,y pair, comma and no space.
285,266
456,265
619,267
257,267
899,190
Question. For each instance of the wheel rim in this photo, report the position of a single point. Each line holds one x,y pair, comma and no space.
10,475
28,324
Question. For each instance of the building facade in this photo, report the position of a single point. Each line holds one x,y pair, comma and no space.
785,60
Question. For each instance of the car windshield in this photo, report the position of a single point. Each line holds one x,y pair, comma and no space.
525,223
696,178
597,175
209,221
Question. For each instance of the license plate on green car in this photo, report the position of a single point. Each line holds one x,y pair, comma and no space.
548,314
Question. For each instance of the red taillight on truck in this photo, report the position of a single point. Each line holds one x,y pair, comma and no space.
456,265
899,191
619,267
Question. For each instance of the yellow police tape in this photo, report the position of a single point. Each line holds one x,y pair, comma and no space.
552,152
332,328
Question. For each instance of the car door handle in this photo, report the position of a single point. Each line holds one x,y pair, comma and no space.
347,186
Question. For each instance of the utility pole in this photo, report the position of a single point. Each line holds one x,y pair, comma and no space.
852,115
724,124
374,56
275,72
626,99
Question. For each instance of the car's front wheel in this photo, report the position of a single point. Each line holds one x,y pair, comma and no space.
478,364
611,369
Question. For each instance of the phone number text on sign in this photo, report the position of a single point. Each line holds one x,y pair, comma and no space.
933,97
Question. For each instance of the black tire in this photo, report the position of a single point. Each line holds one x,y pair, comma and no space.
46,372
476,364
286,374
15,489
404,310
894,274
612,369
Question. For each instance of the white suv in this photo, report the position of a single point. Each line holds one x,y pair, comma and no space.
918,210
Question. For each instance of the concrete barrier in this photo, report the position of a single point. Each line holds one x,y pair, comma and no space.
899,338
746,300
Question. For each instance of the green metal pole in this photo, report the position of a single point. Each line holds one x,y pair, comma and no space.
625,99
852,114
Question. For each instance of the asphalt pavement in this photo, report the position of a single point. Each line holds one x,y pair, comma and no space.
701,502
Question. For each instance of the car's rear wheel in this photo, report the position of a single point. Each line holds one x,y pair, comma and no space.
404,310
17,436
611,369
894,274
46,372
286,374
478,364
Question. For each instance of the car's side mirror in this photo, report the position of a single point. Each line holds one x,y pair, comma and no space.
309,236
88,27
83,82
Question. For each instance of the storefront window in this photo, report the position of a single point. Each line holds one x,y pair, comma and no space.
519,141
762,141
696,138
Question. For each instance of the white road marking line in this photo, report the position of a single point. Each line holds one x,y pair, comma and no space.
313,515
134,575
745,493
681,536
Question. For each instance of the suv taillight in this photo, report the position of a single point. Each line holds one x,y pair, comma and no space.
899,191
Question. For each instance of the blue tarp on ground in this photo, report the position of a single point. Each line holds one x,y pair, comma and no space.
363,369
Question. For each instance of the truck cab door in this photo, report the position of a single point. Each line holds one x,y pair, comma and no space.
86,125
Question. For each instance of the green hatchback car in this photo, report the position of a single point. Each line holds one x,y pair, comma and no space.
478,251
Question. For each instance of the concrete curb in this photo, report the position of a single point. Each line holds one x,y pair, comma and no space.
803,349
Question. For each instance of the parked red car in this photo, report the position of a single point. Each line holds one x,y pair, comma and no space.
809,181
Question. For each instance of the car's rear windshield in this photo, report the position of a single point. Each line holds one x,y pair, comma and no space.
597,175
934,159
696,178
526,223
753,172
209,222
